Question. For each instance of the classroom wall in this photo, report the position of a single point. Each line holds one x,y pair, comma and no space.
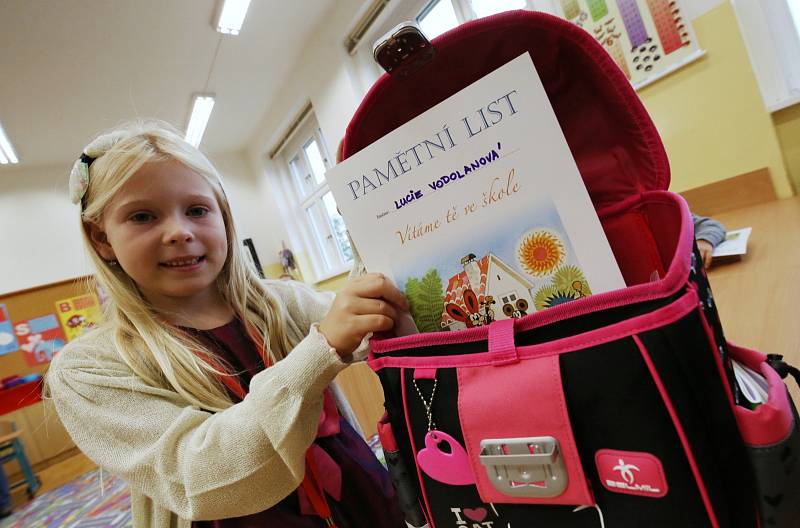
787,126
326,76
242,187
41,238
40,233
710,114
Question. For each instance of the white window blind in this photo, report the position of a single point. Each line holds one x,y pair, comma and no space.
771,31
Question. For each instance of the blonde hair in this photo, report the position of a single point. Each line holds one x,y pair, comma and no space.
157,352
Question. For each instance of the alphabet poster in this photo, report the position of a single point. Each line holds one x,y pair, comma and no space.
476,208
40,338
78,314
646,38
8,341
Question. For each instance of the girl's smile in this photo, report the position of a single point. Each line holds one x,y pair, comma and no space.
184,263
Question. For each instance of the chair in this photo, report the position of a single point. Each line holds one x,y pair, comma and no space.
11,448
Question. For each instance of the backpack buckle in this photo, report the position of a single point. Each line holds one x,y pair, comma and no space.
525,467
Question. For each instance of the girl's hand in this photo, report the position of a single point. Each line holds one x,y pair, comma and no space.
368,303
706,249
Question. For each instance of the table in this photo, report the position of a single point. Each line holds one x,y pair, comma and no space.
759,297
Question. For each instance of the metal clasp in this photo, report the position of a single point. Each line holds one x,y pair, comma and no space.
525,467
403,50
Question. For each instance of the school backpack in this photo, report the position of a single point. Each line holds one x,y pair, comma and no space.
616,409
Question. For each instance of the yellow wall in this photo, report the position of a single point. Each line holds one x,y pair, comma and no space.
787,125
274,271
333,284
710,114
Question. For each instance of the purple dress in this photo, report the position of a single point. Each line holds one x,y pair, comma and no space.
367,498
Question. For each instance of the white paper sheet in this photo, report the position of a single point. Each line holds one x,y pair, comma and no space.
479,193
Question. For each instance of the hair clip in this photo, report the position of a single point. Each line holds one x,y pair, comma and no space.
79,175
78,180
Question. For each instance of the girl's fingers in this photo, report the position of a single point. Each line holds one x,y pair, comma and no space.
364,306
375,285
376,323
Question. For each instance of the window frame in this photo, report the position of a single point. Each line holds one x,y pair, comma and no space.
325,257
464,11
369,71
772,39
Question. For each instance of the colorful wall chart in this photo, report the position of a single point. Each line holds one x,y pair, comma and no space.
8,341
646,38
40,338
78,314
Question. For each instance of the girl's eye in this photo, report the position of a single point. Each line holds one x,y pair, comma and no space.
197,211
140,218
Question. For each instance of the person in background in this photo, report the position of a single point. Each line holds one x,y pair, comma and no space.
709,234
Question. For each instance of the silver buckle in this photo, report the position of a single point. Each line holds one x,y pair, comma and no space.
525,467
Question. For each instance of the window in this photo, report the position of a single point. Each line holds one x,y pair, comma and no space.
434,18
508,298
439,16
321,225
771,32
484,8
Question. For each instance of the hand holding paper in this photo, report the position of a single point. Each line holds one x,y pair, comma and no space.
370,303
476,208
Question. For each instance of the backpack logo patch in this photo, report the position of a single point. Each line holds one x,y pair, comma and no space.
631,472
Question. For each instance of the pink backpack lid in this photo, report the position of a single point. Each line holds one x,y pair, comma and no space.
615,144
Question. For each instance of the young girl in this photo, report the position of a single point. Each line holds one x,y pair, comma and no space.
206,387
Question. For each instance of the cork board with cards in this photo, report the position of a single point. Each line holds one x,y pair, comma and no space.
37,322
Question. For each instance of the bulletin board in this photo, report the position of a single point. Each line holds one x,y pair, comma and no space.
648,39
35,323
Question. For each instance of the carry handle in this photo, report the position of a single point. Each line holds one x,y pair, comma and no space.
783,368
501,342
403,50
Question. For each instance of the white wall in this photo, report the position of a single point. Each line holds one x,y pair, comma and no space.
242,189
695,8
324,75
40,237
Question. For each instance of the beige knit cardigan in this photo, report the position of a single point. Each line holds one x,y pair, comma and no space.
183,463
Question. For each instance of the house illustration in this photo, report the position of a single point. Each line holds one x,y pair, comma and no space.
488,289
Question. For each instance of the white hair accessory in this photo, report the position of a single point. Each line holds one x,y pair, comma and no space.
79,175
78,180
103,143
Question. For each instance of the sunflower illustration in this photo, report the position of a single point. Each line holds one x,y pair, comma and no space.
549,296
571,278
540,252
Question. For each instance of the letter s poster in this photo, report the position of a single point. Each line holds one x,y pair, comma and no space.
476,209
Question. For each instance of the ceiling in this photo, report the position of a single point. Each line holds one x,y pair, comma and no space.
71,68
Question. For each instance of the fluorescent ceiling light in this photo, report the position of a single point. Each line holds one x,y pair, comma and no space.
232,15
7,154
201,111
